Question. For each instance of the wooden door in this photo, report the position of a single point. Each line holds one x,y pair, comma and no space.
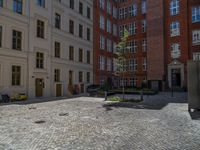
39,87
58,90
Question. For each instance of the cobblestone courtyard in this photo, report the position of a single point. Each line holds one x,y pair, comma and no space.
84,123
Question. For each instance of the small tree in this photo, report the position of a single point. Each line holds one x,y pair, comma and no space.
121,58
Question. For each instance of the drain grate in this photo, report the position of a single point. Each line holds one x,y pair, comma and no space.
64,114
40,122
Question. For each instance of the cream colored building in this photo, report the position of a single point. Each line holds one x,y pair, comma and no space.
46,47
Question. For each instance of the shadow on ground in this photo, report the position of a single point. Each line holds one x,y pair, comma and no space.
195,115
155,102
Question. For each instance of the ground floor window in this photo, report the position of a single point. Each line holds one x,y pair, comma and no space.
16,75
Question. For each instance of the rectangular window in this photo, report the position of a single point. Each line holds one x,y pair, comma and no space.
144,26
17,40
57,75
102,61
88,34
102,22
109,7
17,6
88,77
174,7
132,28
16,75
196,37
71,26
109,30
88,13
1,3
196,14
133,10
41,3
40,29
80,55
57,21
80,76
1,35
132,46
88,57
102,4
196,56
144,9
57,49
71,53
80,31
39,60
132,65
175,50
70,77
71,4
144,64
102,42
80,8
175,29
144,45
109,45
109,64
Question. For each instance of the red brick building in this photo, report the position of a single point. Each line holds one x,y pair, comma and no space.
164,35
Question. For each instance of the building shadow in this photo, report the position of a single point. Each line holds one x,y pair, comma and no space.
195,115
154,102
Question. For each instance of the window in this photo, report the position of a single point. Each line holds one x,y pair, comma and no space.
175,29
109,64
175,50
71,4
17,40
102,4
80,8
57,49
71,26
80,55
133,28
57,75
196,37
132,65
1,33
144,6
196,56
40,29
80,31
144,45
88,77
57,21
102,42
123,27
114,12
1,3
70,77
109,26
144,24
17,6
71,53
109,45
109,7
123,13
16,75
88,34
102,61
102,22
39,60
144,64
132,46
115,29
88,57
80,76
133,10
196,14
174,7
88,13
133,82
41,3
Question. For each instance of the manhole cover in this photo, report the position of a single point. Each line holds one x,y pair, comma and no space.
40,122
64,114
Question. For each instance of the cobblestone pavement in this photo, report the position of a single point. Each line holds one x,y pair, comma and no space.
84,123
